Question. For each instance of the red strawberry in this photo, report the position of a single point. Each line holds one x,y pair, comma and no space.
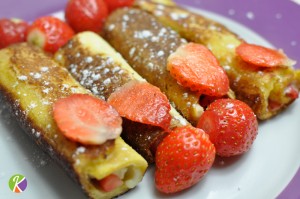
85,15
87,119
110,183
12,31
142,102
182,159
231,125
263,57
274,106
195,67
49,33
115,4
292,91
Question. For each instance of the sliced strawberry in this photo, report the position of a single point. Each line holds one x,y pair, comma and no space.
110,183
83,15
142,102
292,92
49,33
195,67
274,106
87,119
12,31
231,125
182,159
115,4
262,56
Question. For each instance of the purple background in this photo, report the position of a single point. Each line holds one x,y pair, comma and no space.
275,20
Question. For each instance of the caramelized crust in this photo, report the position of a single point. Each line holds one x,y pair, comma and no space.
264,90
100,74
143,138
146,45
30,82
98,67
47,82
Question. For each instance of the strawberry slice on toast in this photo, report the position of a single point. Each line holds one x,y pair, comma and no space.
195,67
142,102
87,119
262,56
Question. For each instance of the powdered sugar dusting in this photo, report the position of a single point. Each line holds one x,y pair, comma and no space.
44,69
178,16
89,59
250,15
160,53
231,12
79,150
36,75
293,43
32,105
111,27
278,16
148,53
99,73
157,43
142,34
22,77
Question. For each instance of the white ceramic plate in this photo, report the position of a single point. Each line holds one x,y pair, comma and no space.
263,172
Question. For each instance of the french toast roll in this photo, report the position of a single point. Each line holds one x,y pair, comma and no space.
99,68
31,82
146,45
267,90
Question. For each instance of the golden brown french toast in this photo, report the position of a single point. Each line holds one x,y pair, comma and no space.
99,68
30,82
265,90
146,45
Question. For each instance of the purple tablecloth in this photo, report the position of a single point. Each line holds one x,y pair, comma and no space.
276,21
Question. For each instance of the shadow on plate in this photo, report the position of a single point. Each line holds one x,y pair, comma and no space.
50,175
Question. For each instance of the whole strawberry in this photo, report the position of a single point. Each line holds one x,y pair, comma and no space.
12,31
182,159
49,33
231,125
84,15
115,4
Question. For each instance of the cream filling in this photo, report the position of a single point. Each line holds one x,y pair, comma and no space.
129,175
